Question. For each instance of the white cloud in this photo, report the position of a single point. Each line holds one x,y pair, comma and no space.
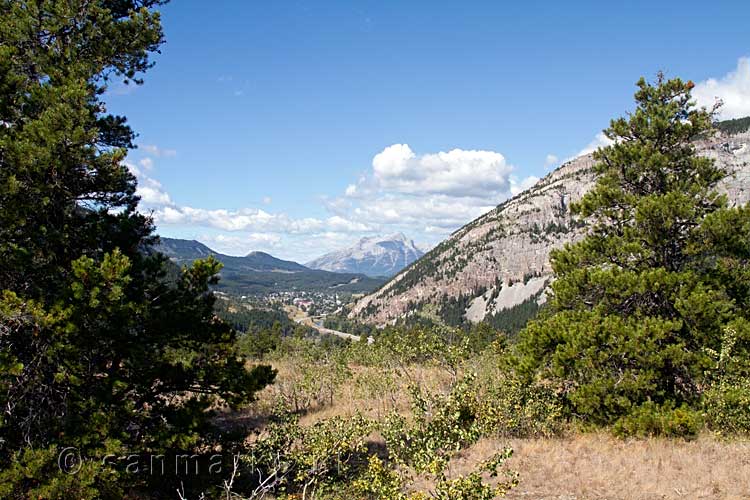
149,190
418,212
599,141
456,172
157,151
267,200
427,194
517,187
253,219
733,89
550,160
341,224
166,212
152,195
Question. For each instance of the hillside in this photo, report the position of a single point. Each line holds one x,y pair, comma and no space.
261,273
373,256
500,261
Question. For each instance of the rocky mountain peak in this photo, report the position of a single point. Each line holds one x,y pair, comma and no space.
373,256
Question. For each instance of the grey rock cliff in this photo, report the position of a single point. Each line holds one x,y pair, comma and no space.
511,244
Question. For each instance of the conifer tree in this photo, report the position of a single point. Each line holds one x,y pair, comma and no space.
98,349
641,303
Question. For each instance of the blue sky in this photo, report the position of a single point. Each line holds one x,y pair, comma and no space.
299,127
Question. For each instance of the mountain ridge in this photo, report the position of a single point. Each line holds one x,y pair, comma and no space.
260,272
511,243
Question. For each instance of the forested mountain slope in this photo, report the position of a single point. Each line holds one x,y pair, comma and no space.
260,273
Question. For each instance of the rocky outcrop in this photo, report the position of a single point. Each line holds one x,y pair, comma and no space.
511,244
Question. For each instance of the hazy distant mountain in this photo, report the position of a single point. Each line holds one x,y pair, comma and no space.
374,256
259,272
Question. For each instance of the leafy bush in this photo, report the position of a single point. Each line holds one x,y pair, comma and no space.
650,419
727,406
726,401
317,374
382,482
513,408
440,426
290,459
331,459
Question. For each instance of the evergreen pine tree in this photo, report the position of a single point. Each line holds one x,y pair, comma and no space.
98,349
641,303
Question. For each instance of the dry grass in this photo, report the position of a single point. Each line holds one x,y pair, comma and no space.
593,466
599,466
371,391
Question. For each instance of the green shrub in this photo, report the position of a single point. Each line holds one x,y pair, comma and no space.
726,401
727,406
318,373
513,408
441,426
651,420
381,481
303,461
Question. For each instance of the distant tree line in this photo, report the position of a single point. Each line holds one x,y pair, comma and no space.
735,126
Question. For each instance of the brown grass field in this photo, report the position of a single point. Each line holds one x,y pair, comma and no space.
576,466
599,466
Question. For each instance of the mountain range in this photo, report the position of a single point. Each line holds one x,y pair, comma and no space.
372,256
500,261
260,273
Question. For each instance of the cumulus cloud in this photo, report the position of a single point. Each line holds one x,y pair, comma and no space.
418,212
166,212
152,193
456,172
430,194
253,219
425,195
733,89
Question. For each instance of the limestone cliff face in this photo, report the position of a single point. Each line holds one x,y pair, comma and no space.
495,257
